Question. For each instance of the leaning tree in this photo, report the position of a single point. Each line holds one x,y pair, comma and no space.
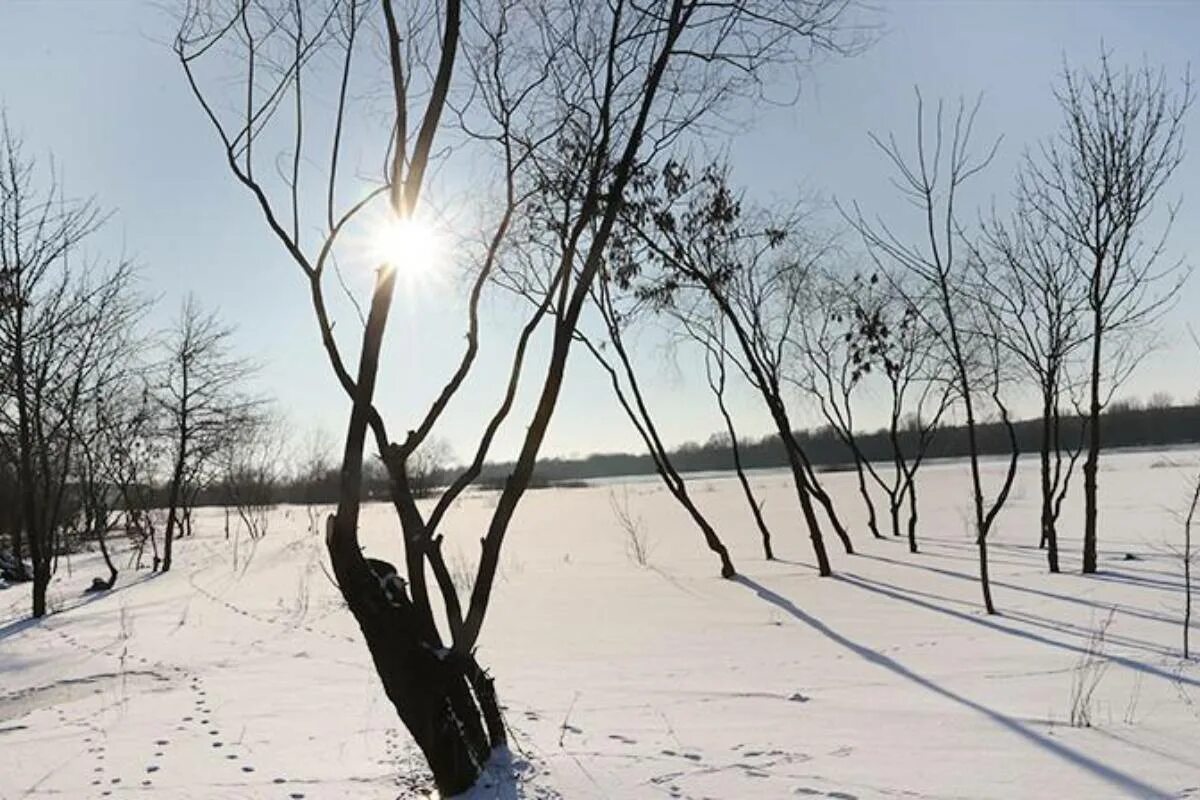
613,357
556,105
688,246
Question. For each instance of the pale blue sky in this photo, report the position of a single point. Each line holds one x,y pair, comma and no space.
92,82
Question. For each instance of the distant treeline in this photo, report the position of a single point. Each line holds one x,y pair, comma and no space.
1127,424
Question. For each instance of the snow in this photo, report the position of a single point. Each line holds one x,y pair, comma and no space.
242,676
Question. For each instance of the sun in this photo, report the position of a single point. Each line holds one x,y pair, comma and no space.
410,246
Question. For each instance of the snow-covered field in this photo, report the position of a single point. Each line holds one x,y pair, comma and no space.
249,681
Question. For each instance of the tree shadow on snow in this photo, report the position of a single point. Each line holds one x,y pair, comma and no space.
1133,611
1035,558
1024,617
15,626
1125,783
993,623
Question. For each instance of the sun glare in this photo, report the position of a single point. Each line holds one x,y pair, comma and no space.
409,246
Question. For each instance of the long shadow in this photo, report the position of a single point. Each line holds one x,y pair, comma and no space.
991,622
15,626
1085,633
1139,580
956,557
1024,617
1132,611
791,563
1127,784
1113,574
1125,740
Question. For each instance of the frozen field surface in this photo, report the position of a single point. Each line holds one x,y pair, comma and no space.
240,675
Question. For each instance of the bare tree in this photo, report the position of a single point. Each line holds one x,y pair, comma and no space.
624,381
111,417
553,93
827,366
203,405
249,462
690,249
429,466
889,337
939,270
60,316
1095,185
1031,277
712,338
133,459
315,474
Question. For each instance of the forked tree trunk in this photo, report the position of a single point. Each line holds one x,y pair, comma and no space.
427,685
426,682
812,483
827,503
894,506
803,492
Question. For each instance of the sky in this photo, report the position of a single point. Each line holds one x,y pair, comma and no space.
94,84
